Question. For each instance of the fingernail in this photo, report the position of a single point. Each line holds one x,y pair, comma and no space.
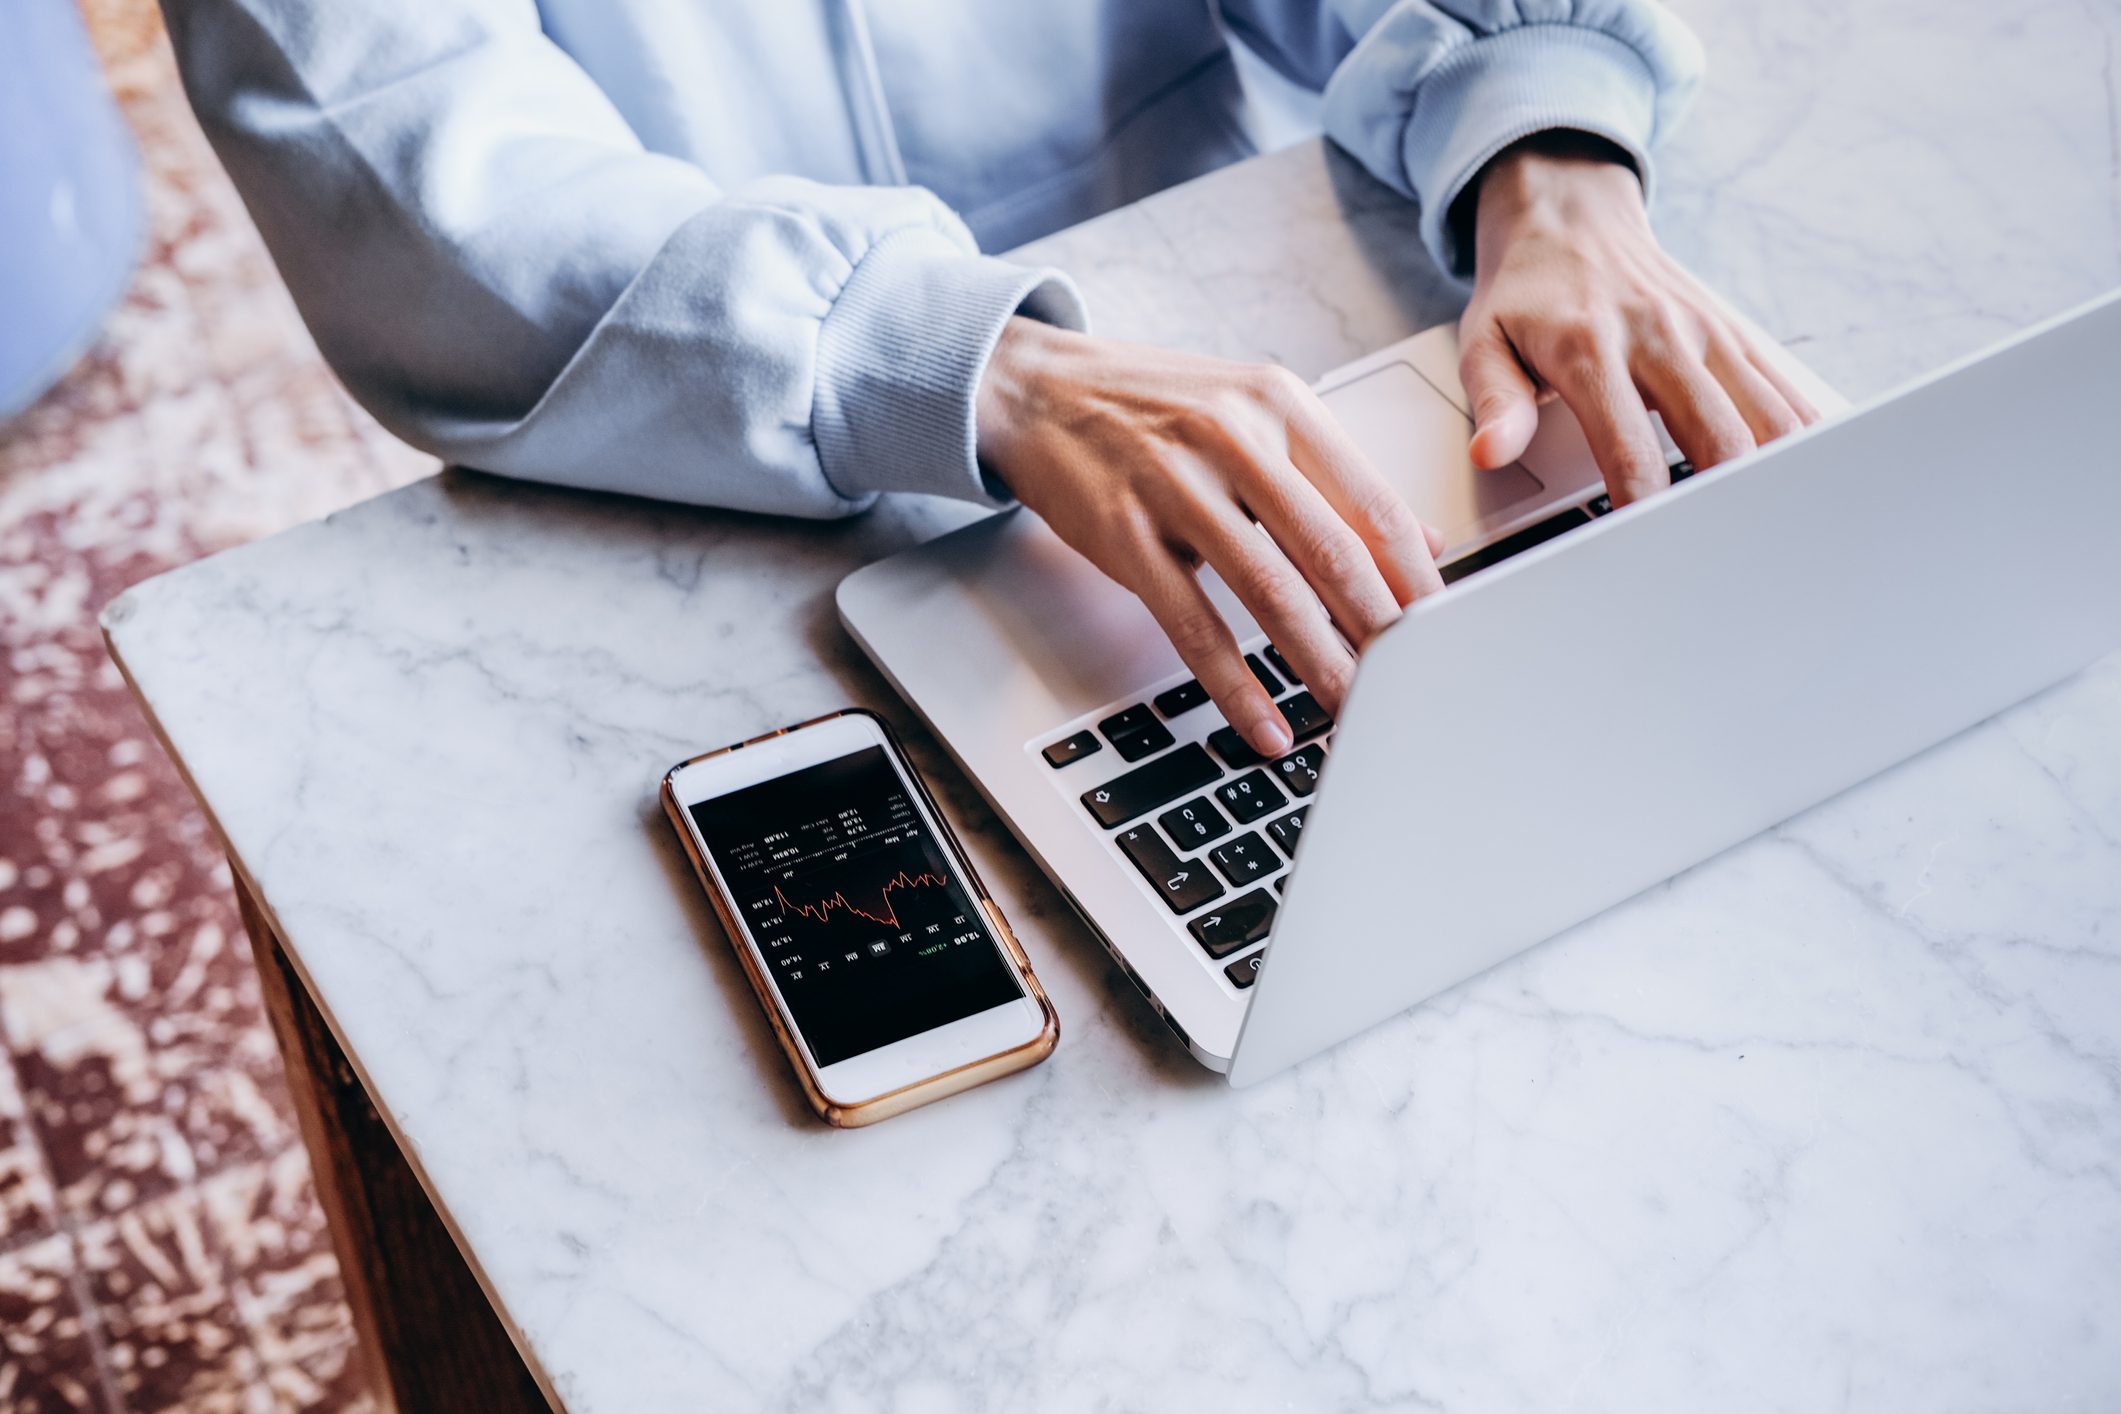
1477,448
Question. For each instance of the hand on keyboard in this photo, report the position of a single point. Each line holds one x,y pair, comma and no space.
1572,293
1150,462
1196,826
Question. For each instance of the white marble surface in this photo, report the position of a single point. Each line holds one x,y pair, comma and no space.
1833,1120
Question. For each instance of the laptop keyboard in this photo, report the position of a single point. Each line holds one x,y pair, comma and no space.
1209,824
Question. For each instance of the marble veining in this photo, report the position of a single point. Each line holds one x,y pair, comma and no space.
1833,1120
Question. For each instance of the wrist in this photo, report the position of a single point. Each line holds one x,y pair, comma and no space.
1551,181
1003,406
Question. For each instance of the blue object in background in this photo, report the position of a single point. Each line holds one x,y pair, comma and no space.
70,209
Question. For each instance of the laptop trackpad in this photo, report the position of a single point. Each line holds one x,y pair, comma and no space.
1418,440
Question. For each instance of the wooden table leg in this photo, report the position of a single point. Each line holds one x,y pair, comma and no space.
433,1340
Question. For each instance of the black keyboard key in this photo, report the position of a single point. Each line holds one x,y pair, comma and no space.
1267,680
1193,824
1144,788
1135,733
1073,749
1560,523
1301,711
1128,722
1304,716
1287,832
1244,859
1181,885
1242,921
1298,771
1181,699
1281,665
1245,971
1602,503
1148,742
1250,796
1232,748
1281,884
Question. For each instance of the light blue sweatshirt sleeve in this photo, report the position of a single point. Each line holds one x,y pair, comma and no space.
1425,92
504,277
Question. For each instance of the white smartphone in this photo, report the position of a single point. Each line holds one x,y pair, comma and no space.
887,971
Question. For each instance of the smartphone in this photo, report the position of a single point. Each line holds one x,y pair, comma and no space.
887,971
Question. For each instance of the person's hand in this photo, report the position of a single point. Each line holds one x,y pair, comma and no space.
1572,295
1150,462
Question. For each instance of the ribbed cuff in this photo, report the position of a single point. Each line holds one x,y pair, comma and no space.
900,357
1493,91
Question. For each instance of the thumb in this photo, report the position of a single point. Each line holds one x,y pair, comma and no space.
1504,402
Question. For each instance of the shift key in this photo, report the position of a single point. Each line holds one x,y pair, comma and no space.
1145,787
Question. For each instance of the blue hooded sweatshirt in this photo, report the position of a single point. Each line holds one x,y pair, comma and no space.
728,251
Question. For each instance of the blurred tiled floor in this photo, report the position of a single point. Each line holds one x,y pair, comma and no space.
160,1244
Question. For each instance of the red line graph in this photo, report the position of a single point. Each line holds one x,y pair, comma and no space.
821,911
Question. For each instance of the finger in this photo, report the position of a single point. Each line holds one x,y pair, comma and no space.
1403,548
1172,592
1750,350
1331,556
1598,390
1281,603
1767,413
1695,408
1504,400
1807,412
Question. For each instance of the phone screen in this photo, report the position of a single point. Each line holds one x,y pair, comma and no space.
862,923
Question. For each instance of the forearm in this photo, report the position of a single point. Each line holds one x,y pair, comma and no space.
505,278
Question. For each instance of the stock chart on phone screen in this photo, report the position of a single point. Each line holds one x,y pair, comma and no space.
863,925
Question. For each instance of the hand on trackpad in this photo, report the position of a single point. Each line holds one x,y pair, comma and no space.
1419,442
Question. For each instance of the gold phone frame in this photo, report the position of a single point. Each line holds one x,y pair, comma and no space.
919,1092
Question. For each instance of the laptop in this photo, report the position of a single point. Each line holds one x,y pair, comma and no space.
1600,699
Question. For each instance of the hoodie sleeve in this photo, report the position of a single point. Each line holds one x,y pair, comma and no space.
505,278
1425,92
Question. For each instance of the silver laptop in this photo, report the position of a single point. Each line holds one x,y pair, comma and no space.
1599,700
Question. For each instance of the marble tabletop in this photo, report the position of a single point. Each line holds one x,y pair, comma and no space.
1831,1120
